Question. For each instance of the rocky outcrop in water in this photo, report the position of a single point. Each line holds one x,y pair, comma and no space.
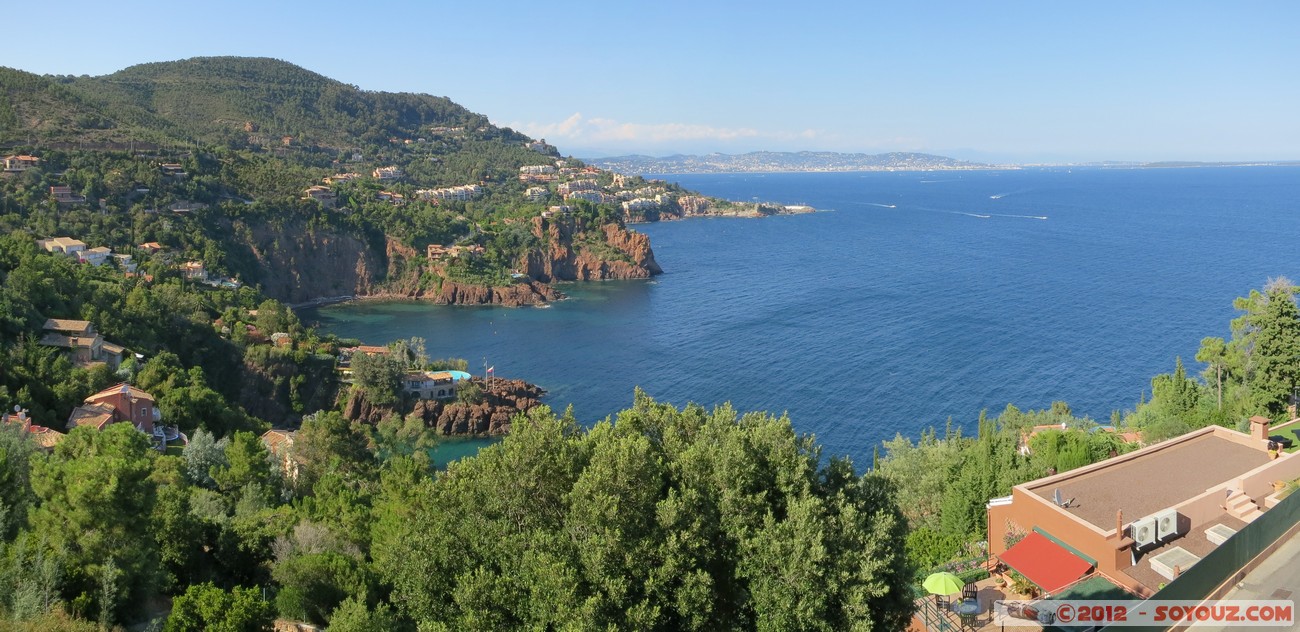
516,295
502,400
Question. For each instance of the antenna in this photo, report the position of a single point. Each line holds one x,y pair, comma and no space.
1056,497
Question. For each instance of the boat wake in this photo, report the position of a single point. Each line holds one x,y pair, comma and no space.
999,196
1024,216
979,215
881,205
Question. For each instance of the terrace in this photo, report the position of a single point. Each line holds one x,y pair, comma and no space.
1163,478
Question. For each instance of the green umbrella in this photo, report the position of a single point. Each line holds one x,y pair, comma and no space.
942,584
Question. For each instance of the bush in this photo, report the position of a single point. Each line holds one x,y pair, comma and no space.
470,393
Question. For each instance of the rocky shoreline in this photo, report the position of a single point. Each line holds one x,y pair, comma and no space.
491,417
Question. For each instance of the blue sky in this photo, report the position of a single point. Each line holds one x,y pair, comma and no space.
1011,81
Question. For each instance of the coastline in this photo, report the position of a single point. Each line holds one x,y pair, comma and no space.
750,211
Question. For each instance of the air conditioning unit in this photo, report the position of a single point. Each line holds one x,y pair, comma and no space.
1166,524
1143,531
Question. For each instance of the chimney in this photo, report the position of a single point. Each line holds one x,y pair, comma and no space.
1259,427
1119,522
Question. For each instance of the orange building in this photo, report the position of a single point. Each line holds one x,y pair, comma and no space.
116,404
1139,519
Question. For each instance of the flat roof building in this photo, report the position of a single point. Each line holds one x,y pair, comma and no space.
1139,519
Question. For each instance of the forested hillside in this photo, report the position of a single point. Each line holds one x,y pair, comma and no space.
262,171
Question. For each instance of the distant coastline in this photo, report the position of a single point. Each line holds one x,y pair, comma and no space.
774,162
768,162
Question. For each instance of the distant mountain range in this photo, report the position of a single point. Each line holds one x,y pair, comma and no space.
768,161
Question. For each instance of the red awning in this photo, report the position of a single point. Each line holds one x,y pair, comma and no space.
1049,565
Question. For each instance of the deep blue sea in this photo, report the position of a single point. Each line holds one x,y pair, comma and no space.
910,298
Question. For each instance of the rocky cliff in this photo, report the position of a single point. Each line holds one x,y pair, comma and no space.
572,252
502,400
298,264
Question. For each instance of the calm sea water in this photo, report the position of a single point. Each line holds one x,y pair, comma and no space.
914,297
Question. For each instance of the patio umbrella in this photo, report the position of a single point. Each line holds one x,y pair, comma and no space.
944,583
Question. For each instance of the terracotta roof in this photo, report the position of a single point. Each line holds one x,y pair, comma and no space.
119,388
73,326
112,348
1049,565
45,437
277,440
94,415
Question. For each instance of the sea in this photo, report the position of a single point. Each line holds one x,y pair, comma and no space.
907,300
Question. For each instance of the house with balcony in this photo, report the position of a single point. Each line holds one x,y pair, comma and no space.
432,384
388,173
1141,519
120,403
21,163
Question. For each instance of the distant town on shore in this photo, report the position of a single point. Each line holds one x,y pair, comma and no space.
830,161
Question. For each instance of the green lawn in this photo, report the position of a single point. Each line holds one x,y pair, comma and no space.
1286,431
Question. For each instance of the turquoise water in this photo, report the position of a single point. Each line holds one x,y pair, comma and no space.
912,298
453,449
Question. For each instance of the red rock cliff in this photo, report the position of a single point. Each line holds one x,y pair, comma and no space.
570,252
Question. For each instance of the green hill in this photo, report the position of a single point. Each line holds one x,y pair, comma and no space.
217,100
239,141
226,98
38,110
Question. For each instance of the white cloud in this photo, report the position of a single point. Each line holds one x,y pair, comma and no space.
580,130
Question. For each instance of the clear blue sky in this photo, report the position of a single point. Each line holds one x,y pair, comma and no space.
1011,81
